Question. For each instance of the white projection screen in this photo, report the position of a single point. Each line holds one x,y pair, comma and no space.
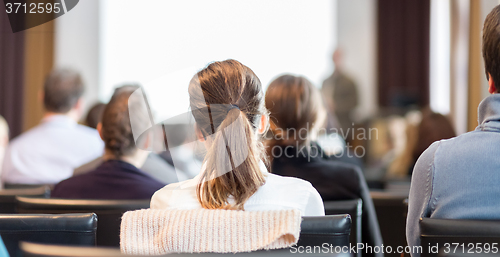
161,44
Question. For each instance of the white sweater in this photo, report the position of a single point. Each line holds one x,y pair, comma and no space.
155,232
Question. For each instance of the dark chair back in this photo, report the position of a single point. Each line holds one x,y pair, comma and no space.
26,186
315,231
331,229
42,250
391,214
8,197
109,213
65,229
45,250
353,208
466,233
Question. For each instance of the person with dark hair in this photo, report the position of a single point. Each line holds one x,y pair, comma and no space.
94,115
154,165
49,152
227,103
421,132
296,115
118,176
458,178
433,127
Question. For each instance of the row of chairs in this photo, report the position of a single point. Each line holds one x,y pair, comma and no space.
109,212
391,211
80,229
54,228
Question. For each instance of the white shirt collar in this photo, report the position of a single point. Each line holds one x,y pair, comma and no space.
59,119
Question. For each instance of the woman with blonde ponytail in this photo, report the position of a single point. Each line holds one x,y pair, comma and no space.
227,103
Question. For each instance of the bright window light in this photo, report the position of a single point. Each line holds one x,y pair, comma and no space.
161,44
440,56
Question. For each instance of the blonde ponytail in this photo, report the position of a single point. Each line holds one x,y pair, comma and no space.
227,103
232,170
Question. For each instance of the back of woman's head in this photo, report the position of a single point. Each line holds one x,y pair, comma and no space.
116,130
296,111
433,127
94,115
227,103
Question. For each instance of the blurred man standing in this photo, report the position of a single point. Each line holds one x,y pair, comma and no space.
49,152
341,96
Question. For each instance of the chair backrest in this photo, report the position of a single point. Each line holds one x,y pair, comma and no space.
65,229
8,197
353,208
43,250
331,229
391,214
458,235
109,212
315,231
27,186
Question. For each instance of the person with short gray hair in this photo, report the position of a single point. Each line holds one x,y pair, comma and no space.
48,153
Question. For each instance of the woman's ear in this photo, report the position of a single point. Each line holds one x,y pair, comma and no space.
263,124
99,129
199,135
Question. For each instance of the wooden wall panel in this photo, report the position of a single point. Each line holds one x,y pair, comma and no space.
475,64
39,60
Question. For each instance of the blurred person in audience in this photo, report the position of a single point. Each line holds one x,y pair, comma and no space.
94,115
4,139
184,154
433,127
420,134
341,96
227,103
404,137
49,152
154,165
118,176
458,178
296,114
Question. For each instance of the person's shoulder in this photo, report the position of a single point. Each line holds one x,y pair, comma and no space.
175,195
62,188
28,136
430,152
426,160
87,136
86,131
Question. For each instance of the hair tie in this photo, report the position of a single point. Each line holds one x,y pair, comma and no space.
233,106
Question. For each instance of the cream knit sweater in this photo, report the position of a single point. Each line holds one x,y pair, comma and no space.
155,232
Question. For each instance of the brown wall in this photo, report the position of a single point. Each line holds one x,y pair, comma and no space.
25,59
11,74
403,52
39,59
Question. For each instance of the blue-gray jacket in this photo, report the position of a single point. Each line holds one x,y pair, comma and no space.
459,178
